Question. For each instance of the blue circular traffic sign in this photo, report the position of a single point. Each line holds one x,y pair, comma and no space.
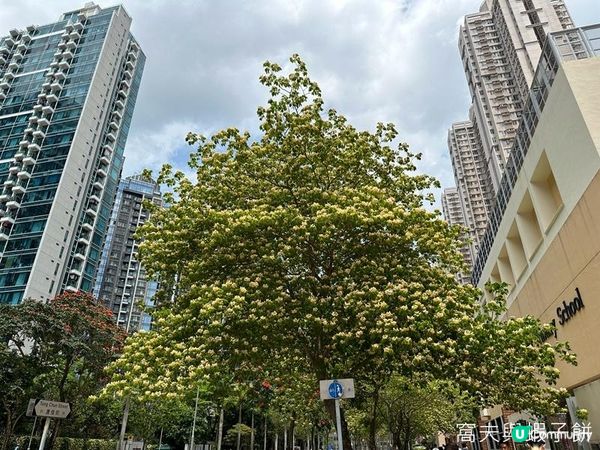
336,389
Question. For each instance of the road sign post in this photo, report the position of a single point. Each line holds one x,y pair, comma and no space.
336,390
45,433
50,410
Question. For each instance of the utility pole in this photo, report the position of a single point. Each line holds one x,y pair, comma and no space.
123,425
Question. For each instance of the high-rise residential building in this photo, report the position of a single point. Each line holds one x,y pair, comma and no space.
472,178
122,283
454,214
500,47
67,94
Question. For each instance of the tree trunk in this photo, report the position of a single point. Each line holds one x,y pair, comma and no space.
396,445
8,428
330,406
252,431
372,442
239,432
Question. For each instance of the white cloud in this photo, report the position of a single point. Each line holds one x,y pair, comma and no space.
384,60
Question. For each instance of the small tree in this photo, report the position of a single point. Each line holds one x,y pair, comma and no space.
57,350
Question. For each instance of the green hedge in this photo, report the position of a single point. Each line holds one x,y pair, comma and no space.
64,443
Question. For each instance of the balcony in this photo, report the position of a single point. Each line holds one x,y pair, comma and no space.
105,160
2,95
78,26
42,96
129,66
101,173
2,60
52,98
122,93
74,273
19,155
125,83
56,86
94,199
59,75
34,148
114,125
91,212
67,55
134,47
53,64
33,120
7,220
3,236
13,65
71,45
37,108
71,288
8,76
111,137
18,189
87,226
24,175
74,35
39,134
28,161
81,17
14,170
79,256
4,84
31,28
13,204
64,65
43,122
21,47
29,130
82,240
61,45
17,57
47,109
69,27
10,42
4,197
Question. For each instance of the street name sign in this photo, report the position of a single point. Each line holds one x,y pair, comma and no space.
54,410
336,389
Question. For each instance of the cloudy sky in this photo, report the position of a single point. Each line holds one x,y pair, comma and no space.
376,60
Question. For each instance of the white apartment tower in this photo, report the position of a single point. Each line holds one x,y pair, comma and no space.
67,94
454,214
472,177
500,47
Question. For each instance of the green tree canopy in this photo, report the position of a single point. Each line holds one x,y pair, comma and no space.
310,248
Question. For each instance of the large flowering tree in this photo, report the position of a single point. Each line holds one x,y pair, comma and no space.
311,249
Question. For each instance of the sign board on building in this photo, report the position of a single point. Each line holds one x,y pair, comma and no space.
54,410
335,389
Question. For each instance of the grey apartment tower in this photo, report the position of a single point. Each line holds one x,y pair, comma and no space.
122,283
67,94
